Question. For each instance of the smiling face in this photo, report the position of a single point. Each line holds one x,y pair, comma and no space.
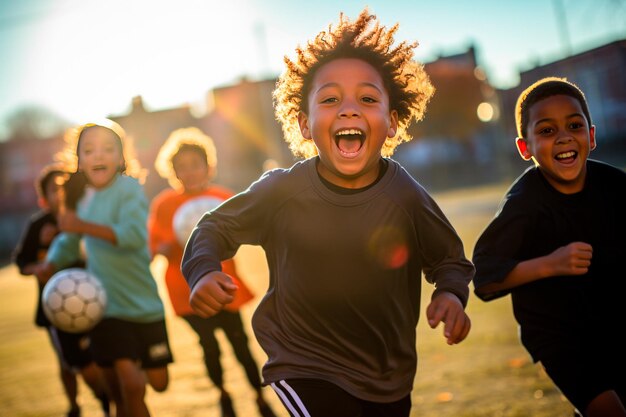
349,120
192,170
559,140
100,155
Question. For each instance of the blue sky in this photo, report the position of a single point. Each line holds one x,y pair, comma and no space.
88,58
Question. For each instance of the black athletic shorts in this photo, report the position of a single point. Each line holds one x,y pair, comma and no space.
318,398
74,348
147,343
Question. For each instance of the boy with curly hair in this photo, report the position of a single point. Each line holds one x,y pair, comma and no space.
347,232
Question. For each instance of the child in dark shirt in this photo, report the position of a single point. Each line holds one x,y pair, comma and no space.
556,245
72,349
347,233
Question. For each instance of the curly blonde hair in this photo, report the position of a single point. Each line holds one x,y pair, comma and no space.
68,157
188,138
407,83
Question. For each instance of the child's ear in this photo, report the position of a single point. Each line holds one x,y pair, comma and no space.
592,137
303,121
522,148
393,124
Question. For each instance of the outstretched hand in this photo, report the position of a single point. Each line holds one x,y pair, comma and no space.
211,293
447,308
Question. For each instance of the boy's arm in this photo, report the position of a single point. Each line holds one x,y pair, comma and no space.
572,259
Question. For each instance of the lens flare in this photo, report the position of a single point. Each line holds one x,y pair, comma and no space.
389,248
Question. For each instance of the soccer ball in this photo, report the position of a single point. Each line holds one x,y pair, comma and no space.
74,300
188,214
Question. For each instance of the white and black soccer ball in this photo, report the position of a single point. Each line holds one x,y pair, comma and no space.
74,300
188,214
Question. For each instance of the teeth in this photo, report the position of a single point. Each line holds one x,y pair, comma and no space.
349,132
566,155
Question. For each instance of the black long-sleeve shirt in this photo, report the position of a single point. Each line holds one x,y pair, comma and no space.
345,274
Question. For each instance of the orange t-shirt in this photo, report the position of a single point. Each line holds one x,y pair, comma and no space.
160,230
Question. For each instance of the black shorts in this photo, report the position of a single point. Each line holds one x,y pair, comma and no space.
146,343
318,398
581,376
74,348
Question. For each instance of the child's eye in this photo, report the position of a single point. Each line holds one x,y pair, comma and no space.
368,99
575,125
329,100
545,131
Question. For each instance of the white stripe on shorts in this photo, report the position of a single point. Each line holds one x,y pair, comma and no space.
290,398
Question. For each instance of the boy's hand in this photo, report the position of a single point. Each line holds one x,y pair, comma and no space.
446,307
211,293
572,259
68,221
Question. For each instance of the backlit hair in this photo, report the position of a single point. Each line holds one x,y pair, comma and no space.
405,80
69,155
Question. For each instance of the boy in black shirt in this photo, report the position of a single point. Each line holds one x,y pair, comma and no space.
556,245
347,233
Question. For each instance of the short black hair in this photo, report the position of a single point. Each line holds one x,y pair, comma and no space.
542,89
46,175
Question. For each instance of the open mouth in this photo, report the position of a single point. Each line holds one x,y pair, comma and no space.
568,156
349,141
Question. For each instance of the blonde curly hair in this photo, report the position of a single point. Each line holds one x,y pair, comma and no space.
68,157
187,138
407,83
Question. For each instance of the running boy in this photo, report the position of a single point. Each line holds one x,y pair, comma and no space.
131,342
72,349
188,161
347,232
557,244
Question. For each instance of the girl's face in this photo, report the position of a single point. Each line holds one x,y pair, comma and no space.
559,140
191,170
100,156
349,120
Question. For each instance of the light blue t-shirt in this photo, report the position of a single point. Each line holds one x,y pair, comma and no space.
123,268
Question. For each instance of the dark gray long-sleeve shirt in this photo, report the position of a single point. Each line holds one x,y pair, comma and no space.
345,274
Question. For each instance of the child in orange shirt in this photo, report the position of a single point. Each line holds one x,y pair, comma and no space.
188,161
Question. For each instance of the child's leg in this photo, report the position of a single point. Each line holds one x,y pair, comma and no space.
132,387
232,325
158,378
75,348
66,373
94,377
70,387
205,328
233,328
113,389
